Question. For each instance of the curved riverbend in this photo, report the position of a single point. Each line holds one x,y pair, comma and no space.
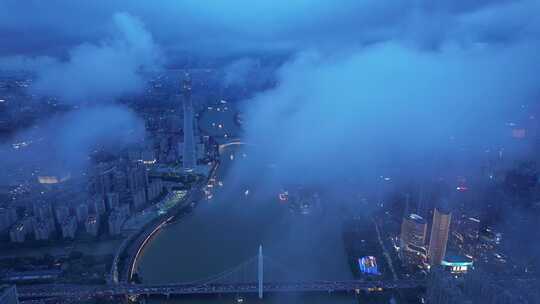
228,229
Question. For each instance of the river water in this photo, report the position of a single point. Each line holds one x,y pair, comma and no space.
227,230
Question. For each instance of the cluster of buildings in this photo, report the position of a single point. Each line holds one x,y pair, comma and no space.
114,191
445,251
174,136
455,242
415,251
114,188
19,108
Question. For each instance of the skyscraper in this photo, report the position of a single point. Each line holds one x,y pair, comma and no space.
413,240
439,235
413,231
188,158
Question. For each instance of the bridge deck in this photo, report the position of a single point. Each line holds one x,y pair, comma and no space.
81,291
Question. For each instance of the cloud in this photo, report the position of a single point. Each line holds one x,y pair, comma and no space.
96,72
389,106
63,142
402,78
91,75
239,71
236,26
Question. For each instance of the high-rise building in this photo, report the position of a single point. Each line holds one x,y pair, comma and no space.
43,210
137,178
120,181
97,204
123,210
92,225
81,212
62,212
103,178
413,239
8,216
42,231
17,233
439,236
465,234
413,231
113,200
8,294
116,220
154,189
69,227
188,158
139,199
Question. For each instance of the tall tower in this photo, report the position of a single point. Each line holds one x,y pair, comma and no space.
260,271
439,235
188,159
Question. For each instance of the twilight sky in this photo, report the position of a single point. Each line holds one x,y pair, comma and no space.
216,27
365,80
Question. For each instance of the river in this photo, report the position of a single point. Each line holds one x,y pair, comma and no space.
245,212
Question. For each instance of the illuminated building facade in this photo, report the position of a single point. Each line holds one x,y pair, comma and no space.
17,233
413,240
465,234
413,231
92,225
457,264
368,265
54,179
439,236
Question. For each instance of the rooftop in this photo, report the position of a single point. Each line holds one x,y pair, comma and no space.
416,218
456,260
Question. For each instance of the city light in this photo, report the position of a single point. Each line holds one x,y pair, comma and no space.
368,265
401,141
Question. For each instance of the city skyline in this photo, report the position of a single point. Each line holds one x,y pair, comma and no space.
378,152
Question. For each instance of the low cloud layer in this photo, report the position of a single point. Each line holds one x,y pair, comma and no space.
64,142
95,72
92,75
391,106
368,81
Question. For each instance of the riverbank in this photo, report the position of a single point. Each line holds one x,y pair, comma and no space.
127,256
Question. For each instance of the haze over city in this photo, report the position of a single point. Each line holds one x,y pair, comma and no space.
269,152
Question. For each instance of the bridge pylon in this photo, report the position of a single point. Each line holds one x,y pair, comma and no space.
260,272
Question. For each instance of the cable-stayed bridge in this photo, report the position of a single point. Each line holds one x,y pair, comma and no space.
257,275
